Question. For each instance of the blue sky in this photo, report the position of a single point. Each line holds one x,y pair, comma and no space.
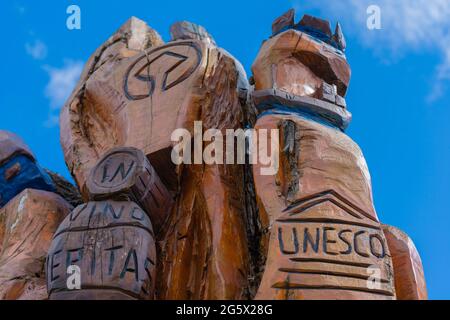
399,92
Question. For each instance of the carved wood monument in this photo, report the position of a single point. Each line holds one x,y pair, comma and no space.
144,226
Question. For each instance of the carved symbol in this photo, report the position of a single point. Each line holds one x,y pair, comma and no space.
115,169
140,69
113,245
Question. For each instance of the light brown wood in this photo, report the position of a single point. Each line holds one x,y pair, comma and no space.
284,22
137,98
112,243
324,236
317,235
10,145
324,239
409,276
27,224
125,173
297,63
205,252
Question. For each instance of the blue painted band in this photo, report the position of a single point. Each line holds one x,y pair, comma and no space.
29,175
285,110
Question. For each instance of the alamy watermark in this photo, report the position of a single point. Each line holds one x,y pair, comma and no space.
373,21
374,278
234,146
74,277
73,21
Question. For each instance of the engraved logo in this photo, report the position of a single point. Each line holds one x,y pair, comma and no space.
331,243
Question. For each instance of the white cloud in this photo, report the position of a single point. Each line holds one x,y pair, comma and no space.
62,82
407,25
37,50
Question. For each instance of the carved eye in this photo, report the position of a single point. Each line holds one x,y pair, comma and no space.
141,84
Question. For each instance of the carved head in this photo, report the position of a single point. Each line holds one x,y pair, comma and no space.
304,59
18,169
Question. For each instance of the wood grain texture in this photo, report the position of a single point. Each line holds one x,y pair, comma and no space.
113,244
324,238
98,101
309,232
27,224
125,173
137,98
65,189
205,252
284,22
12,145
408,270
186,30
297,63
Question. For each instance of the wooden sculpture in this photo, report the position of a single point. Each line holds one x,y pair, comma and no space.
312,227
126,173
111,238
149,227
136,91
325,239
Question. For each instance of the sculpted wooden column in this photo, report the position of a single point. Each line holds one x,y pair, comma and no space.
325,240
135,91
30,212
308,232
111,239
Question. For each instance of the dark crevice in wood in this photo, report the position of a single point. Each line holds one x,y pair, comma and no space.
251,218
290,155
65,189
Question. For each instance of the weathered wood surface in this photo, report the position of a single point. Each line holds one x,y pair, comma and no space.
205,251
18,169
274,100
408,270
298,63
125,173
65,189
136,96
11,145
284,22
29,215
113,244
325,239
27,224
317,235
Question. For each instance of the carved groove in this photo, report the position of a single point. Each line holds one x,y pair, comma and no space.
327,220
109,226
296,286
345,263
299,202
330,273
150,78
